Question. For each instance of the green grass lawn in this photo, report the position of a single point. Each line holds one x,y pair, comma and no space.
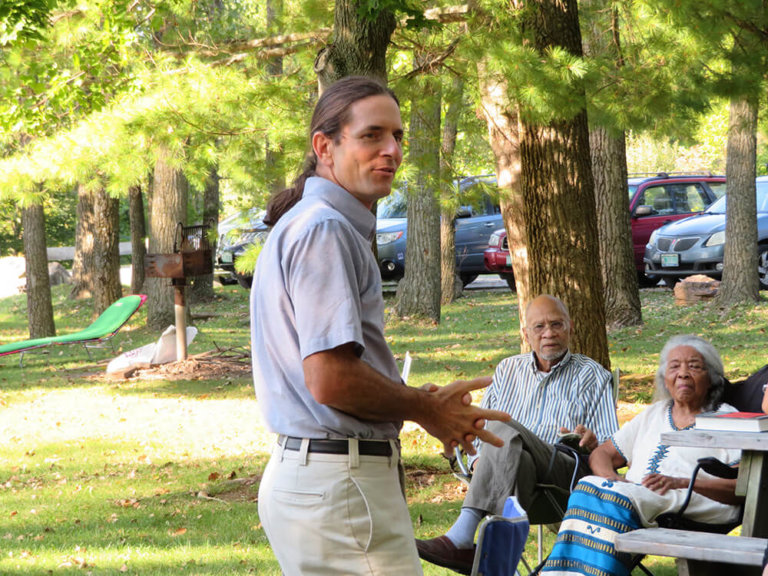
159,474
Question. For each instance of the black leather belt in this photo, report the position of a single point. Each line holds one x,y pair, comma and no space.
365,447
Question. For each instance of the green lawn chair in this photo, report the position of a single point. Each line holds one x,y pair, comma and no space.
95,336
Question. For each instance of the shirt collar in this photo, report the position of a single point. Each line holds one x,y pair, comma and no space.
563,361
363,220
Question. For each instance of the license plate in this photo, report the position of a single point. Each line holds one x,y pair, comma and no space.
509,260
226,257
670,260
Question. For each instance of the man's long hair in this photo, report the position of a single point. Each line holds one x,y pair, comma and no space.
331,114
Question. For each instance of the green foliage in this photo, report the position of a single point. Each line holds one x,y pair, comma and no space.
23,20
246,262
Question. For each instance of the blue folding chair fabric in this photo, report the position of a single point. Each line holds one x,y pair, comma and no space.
501,541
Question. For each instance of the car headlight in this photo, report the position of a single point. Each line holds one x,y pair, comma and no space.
388,237
494,240
652,239
716,239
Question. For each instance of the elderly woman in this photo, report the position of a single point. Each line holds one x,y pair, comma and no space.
689,381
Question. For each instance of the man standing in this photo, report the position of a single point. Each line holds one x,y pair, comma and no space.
548,391
331,500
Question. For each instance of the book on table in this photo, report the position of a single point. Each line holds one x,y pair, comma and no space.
733,421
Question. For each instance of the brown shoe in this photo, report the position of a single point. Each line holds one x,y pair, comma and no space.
441,551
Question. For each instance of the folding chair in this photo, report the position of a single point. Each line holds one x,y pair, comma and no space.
551,492
501,541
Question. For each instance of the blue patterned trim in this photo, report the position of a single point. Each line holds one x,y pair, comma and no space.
618,449
662,450
563,564
672,422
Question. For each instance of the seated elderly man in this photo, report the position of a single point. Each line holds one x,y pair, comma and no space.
547,391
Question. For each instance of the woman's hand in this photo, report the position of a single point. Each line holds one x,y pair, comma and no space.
662,484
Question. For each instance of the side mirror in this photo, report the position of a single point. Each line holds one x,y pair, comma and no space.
643,210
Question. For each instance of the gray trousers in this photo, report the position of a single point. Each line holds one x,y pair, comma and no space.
520,468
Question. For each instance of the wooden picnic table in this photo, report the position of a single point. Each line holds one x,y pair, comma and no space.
752,482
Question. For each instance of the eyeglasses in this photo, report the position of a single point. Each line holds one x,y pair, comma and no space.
556,327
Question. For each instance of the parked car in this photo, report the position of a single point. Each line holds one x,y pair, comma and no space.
477,217
695,245
663,198
497,258
653,202
236,233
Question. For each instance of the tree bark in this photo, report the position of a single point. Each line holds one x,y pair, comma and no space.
740,282
82,265
273,151
138,234
201,289
106,251
558,196
620,288
359,45
39,306
168,208
609,168
503,135
418,293
450,284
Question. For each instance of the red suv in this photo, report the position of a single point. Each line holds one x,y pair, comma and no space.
653,201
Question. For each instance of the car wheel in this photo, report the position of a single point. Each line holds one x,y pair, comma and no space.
226,280
467,279
647,280
670,281
762,267
510,280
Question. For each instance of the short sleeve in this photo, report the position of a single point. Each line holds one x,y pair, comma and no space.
322,279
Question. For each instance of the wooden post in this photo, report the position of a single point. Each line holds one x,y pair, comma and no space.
180,309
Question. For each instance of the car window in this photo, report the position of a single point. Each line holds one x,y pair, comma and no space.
632,190
688,198
718,188
719,206
479,199
393,206
762,196
658,198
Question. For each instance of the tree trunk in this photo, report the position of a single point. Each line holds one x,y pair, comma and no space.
202,286
418,293
740,282
609,168
168,208
82,265
273,151
359,45
138,234
558,196
450,284
106,251
39,306
503,135
620,288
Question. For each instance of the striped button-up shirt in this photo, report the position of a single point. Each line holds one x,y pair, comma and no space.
576,391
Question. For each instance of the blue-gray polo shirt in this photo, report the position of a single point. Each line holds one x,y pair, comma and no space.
317,286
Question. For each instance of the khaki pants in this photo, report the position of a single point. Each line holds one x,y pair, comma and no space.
337,514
